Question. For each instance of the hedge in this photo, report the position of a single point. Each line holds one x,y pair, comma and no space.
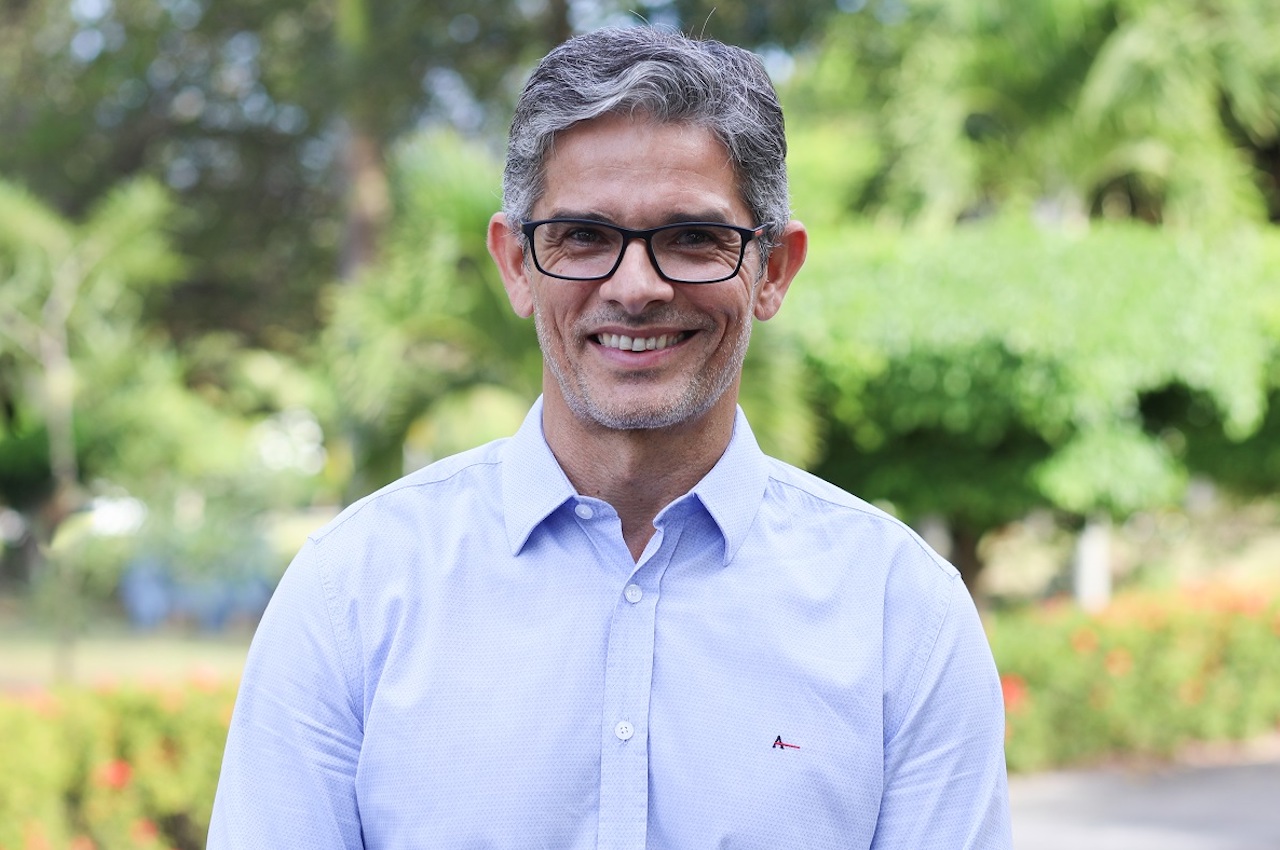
1150,674
135,767
128,768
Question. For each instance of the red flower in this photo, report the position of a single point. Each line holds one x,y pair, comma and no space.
1016,694
143,831
115,774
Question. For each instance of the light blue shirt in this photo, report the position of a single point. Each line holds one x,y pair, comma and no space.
471,658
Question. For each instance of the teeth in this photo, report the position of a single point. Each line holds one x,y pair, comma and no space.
639,343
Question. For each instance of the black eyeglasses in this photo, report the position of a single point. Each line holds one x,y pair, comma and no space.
687,252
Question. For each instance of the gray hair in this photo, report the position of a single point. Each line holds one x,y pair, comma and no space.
670,79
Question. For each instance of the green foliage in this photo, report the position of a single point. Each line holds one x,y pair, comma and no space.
116,769
86,275
979,371
431,319
69,289
1149,675
763,24
1134,108
245,110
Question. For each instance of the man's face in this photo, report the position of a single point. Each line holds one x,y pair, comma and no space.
638,174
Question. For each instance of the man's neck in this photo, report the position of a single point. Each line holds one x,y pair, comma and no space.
638,472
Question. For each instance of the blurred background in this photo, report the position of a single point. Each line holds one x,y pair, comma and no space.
243,282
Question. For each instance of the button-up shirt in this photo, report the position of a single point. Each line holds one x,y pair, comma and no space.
471,658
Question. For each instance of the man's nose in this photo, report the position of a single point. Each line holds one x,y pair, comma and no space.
636,284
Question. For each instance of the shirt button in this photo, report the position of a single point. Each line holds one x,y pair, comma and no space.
633,593
624,730
584,511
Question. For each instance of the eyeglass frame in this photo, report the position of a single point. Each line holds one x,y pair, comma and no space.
628,235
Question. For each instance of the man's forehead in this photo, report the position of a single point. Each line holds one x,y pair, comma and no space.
683,161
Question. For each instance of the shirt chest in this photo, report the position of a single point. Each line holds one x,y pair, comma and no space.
682,705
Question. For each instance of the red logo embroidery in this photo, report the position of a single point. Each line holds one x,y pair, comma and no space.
779,744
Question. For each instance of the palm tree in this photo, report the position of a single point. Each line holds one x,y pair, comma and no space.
64,284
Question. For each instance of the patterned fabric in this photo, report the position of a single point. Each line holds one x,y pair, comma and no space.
470,658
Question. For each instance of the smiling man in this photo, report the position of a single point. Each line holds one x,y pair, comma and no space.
625,626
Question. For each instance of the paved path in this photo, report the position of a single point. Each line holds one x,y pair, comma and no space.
1178,807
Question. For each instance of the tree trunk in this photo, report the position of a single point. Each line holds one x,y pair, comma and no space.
368,202
1092,564
558,27
965,558
59,392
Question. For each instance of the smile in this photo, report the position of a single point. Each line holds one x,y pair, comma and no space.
623,342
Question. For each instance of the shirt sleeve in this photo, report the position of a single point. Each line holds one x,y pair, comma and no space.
288,773
944,772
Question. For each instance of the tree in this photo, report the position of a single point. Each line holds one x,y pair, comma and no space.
269,121
66,286
1005,365
1060,113
1115,108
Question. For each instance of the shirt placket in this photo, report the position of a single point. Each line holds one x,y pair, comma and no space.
624,744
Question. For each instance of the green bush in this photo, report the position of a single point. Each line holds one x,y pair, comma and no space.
1148,675
127,768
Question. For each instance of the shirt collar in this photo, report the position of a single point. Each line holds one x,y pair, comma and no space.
534,485
734,488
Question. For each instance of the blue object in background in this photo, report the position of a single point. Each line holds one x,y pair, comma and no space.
152,596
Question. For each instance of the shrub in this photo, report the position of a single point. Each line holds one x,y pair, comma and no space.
1151,673
128,768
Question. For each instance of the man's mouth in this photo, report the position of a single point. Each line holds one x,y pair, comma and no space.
622,342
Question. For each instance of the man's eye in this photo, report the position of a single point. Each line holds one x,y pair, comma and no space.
581,235
698,237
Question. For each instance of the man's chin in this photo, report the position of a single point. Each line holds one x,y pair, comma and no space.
636,415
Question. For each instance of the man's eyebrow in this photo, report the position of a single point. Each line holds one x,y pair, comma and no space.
715,216
587,216
674,217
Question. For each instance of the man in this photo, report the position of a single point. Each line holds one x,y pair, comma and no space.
624,627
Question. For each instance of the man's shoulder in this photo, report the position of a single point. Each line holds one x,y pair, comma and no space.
436,485
814,501
829,499
820,489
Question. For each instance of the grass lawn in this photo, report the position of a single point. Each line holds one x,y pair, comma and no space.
103,656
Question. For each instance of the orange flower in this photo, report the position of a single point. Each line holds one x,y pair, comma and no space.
34,838
82,842
1119,662
172,699
205,679
1084,640
1016,694
114,774
41,701
1191,691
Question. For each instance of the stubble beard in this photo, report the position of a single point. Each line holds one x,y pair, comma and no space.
700,394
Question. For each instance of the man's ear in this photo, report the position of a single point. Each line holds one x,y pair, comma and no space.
508,255
784,261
